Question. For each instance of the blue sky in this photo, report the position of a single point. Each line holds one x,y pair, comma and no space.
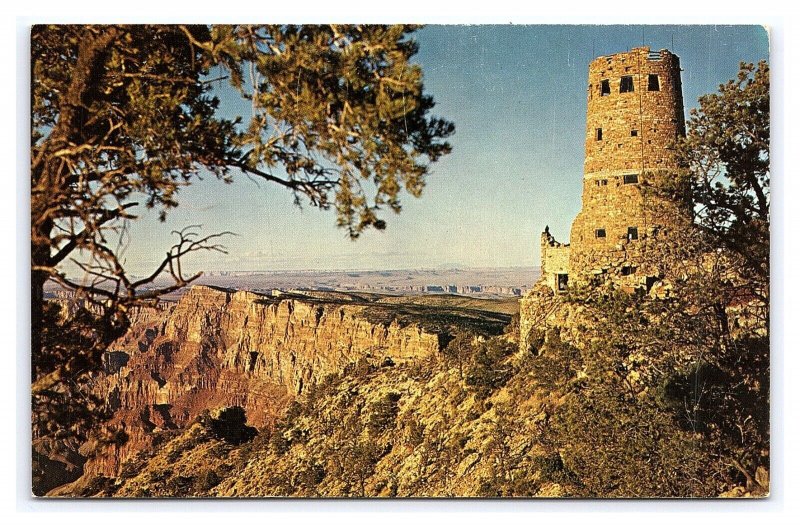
517,95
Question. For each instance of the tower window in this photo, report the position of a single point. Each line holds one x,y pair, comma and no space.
652,83
626,84
600,183
628,270
633,233
600,233
630,178
605,87
634,133
599,134
562,279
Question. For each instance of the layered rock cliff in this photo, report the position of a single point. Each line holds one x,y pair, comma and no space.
217,348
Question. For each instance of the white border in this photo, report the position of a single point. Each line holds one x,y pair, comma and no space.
16,481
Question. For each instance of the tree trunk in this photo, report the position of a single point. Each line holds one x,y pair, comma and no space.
48,175
40,256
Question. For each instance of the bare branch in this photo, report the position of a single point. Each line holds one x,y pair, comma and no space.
84,235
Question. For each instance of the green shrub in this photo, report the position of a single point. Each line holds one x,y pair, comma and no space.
205,481
489,369
279,443
383,414
312,475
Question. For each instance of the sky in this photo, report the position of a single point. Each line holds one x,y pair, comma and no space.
517,96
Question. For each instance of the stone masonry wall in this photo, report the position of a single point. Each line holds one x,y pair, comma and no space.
555,260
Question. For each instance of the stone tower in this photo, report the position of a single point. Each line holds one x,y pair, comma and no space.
635,114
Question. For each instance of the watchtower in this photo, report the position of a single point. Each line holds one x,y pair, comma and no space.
634,117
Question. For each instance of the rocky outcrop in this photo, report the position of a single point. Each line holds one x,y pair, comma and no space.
220,348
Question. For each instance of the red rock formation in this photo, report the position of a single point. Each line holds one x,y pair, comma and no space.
218,348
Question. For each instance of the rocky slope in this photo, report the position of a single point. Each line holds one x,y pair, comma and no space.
417,429
597,415
367,396
220,348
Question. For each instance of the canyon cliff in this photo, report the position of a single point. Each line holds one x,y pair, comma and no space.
218,348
